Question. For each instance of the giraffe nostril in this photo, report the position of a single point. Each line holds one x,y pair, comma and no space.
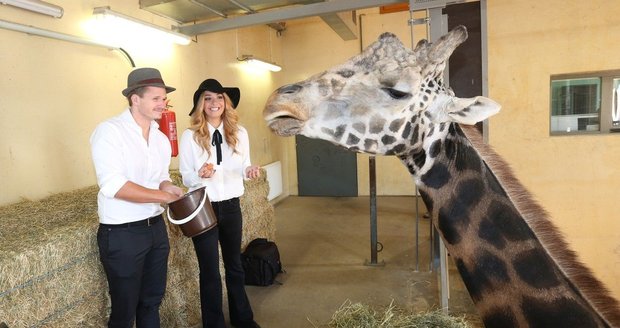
288,89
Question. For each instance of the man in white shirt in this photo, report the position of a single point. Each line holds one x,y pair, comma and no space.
132,159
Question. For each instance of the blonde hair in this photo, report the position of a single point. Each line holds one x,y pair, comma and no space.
199,124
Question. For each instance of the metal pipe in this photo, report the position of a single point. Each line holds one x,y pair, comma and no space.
373,209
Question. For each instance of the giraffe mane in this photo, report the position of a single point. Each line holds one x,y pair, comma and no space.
547,232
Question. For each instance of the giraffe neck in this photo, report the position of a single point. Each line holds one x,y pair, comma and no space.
512,274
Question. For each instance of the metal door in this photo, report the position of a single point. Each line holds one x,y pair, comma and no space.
324,169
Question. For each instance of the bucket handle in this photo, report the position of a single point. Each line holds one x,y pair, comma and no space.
191,216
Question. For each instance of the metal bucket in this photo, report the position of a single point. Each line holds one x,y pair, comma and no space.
193,213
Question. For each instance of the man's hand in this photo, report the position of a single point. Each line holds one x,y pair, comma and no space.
173,192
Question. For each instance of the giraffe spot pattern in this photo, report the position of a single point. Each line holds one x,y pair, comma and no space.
437,176
450,147
435,149
396,124
508,221
346,73
419,157
469,281
489,272
398,149
387,140
370,144
336,134
406,131
467,159
454,217
500,317
414,136
431,130
563,312
352,140
359,127
377,124
536,269
442,126
489,232
492,268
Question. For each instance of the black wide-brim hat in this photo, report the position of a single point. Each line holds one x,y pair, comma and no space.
145,77
214,86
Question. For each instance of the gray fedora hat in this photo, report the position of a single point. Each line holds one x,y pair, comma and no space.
143,77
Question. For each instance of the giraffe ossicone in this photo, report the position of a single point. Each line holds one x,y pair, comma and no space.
391,100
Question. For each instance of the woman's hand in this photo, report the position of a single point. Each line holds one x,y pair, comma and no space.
206,170
252,171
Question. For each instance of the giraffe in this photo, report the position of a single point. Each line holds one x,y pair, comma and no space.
390,100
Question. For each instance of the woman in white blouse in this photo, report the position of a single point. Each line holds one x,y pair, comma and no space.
215,153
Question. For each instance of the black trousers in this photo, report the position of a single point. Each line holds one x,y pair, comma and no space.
228,232
135,261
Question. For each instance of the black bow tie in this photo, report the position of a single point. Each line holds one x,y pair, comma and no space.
217,141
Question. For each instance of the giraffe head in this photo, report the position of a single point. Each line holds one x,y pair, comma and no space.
382,101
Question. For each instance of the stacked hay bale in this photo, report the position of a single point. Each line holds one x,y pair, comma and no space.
50,274
49,266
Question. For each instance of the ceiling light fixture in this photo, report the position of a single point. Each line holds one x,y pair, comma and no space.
37,6
263,64
125,23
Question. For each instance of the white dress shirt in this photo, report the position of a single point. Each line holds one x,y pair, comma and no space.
120,154
227,182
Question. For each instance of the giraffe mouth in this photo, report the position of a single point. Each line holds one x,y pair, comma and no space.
285,126
284,123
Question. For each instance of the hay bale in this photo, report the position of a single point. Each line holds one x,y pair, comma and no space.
358,315
48,258
50,274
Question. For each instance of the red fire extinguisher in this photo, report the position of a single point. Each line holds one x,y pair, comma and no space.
168,125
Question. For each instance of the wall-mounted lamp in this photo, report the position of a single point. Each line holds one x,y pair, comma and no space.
124,24
259,63
37,6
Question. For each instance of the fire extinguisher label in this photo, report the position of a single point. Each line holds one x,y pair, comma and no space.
173,130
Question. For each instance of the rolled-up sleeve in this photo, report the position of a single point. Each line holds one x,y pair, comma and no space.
106,148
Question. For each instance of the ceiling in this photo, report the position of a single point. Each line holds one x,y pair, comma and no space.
205,16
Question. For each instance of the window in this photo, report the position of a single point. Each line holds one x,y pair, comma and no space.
585,103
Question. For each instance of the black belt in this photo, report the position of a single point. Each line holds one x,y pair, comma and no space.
142,223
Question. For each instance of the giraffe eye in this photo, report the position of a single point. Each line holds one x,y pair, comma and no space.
396,94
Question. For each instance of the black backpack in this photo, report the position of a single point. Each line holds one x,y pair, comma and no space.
261,262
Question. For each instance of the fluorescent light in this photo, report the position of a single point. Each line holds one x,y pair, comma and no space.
125,24
259,63
53,35
38,6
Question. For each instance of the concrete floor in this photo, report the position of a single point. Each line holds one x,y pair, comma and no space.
324,243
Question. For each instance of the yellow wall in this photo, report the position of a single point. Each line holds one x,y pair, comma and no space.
53,93
576,178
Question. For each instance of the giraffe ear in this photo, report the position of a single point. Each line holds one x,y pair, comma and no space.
471,110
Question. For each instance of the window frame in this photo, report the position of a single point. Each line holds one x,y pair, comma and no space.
606,101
